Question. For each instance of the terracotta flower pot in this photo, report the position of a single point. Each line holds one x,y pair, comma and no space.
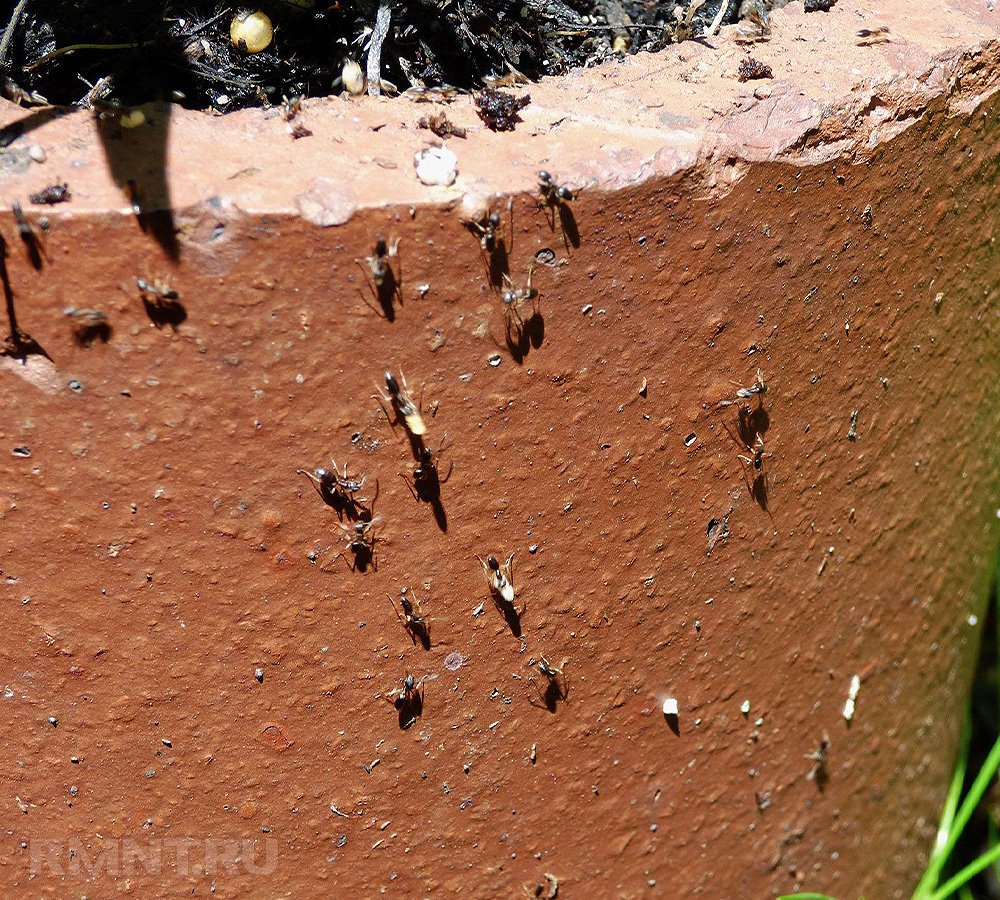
224,691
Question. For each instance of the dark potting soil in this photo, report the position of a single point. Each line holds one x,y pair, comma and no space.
93,53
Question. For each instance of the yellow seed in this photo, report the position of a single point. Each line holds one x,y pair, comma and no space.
253,29
353,77
133,118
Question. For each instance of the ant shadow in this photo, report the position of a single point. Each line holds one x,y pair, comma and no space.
386,294
32,244
409,709
567,222
364,559
521,337
559,210
427,481
89,334
499,264
752,423
127,152
420,633
164,312
19,344
511,616
556,692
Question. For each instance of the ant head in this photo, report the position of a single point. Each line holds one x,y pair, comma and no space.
406,604
564,193
391,383
544,177
425,455
491,561
408,682
494,219
381,248
323,476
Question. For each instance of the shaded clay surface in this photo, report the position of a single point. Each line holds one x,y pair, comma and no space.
158,548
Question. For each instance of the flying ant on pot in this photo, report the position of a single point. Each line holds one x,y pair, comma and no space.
408,699
495,245
758,389
557,197
417,625
384,283
818,772
161,302
753,464
339,490
427,480
556,688
520,333
405,411
361,542
500,580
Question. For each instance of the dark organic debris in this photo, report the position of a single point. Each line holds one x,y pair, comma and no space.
54,193
751,69
819,5
440,124
499,110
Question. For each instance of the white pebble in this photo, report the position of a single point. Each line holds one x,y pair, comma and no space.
745,707
670,707
852,696
36,152
436,166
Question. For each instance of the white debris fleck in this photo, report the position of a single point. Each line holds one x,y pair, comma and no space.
36,152
852,696
436,165
973,619
745,707
670,707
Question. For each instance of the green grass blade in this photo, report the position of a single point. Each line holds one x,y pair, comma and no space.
946,836
966,874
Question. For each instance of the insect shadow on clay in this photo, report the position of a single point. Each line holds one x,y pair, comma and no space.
427,481
495,245
556,687
339,491
752,423
18,344
360,539
500,580
411,616
522,333
557,198
89,326
162,303
382,279
408,699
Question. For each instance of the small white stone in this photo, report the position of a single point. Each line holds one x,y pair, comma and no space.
36,152
436,166
670,707
852,696
745,707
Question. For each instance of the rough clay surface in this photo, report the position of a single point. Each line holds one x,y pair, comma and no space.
835,229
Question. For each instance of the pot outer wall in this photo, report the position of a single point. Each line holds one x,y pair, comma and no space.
156,544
